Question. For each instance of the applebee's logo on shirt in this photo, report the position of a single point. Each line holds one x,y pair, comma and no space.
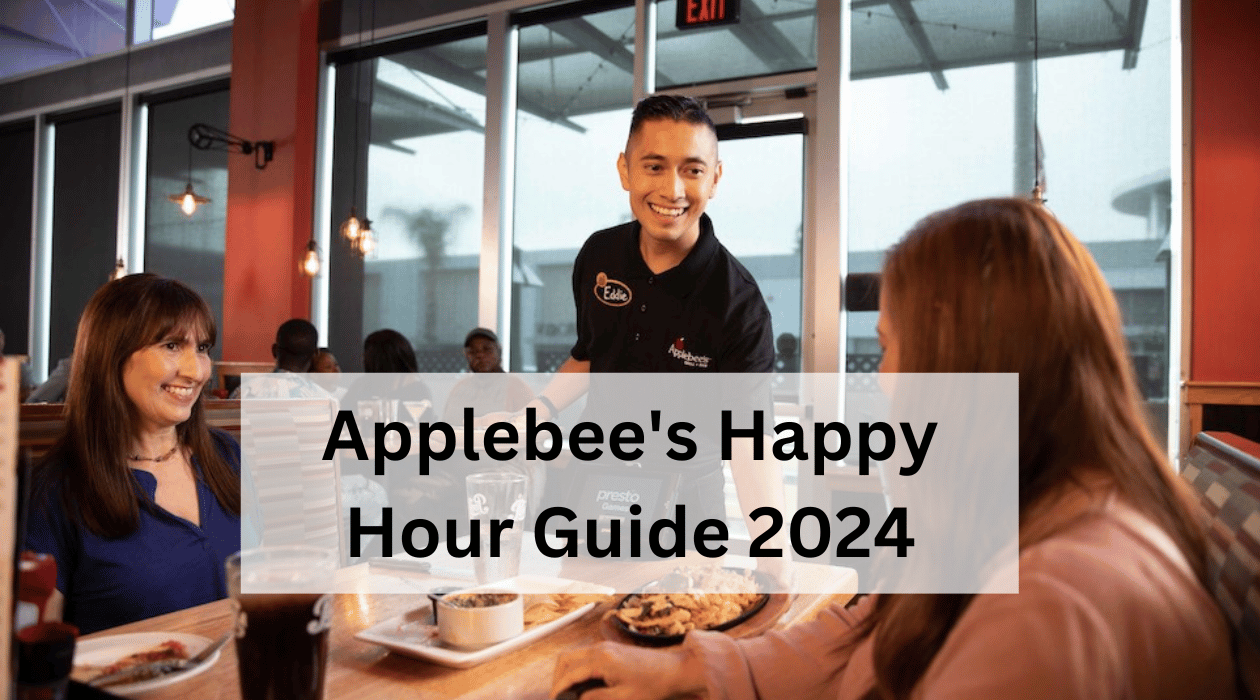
611,292
679,351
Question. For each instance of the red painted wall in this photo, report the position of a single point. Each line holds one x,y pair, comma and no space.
1225,88
275,75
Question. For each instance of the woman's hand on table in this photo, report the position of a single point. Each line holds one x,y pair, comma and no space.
631,673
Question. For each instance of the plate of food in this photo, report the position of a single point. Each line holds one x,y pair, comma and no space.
95,658
703,598
547,604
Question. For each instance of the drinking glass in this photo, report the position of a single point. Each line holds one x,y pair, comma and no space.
497,496
282,638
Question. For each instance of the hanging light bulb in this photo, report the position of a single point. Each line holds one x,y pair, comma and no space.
352,228
188,200
367,241
310,261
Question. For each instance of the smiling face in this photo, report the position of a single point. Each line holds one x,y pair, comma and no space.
671,170
164,380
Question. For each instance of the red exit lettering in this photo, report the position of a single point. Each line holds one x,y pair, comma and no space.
705,10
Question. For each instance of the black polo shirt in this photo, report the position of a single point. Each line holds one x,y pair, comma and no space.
704,315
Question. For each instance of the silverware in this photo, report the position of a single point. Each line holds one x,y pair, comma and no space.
154,669
210,650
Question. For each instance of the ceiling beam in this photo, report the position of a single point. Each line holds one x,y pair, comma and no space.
914,30
100,11
74,41
758,32
994,59
390,97
1137,20
586,36
430,63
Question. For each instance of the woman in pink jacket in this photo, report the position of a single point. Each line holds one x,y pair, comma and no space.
1111,603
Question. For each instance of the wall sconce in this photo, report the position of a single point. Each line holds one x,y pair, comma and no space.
310,261
206,138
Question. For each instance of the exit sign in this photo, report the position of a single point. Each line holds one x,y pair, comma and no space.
706,13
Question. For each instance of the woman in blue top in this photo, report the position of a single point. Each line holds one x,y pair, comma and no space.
139,501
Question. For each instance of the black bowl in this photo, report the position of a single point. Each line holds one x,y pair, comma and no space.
659,640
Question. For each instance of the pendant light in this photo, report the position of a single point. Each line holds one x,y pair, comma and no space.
310,261
188,200
357,231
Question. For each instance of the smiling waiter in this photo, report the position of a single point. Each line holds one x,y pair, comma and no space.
661,293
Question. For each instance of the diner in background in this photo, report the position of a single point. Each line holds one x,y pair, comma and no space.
53,389
297,341
138,500
325,362
488,389
1111,600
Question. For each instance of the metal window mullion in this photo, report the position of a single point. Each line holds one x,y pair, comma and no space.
1181,229
824,248
494,289
644,48
41,248
139,21
322,201
122,238
138,185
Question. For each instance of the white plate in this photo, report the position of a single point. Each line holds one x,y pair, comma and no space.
106,650
413,634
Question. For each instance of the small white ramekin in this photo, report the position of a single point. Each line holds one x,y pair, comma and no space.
475,628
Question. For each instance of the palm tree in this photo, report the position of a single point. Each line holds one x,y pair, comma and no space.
430,229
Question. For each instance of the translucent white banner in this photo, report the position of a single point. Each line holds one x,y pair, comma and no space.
908,483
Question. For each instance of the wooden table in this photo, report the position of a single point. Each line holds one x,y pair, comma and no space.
361,670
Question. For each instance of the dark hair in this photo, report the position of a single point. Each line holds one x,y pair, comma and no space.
297,340
125,316
387,350
999,285
677,108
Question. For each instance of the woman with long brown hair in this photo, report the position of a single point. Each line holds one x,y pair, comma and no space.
1111,601
138,500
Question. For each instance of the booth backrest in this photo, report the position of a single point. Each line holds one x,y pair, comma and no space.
40,424
227,375
1225,471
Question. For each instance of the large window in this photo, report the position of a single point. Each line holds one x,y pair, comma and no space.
187,247
411,135
36,34
84,218
1104,120
17,163
758,214
772,36
575,89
